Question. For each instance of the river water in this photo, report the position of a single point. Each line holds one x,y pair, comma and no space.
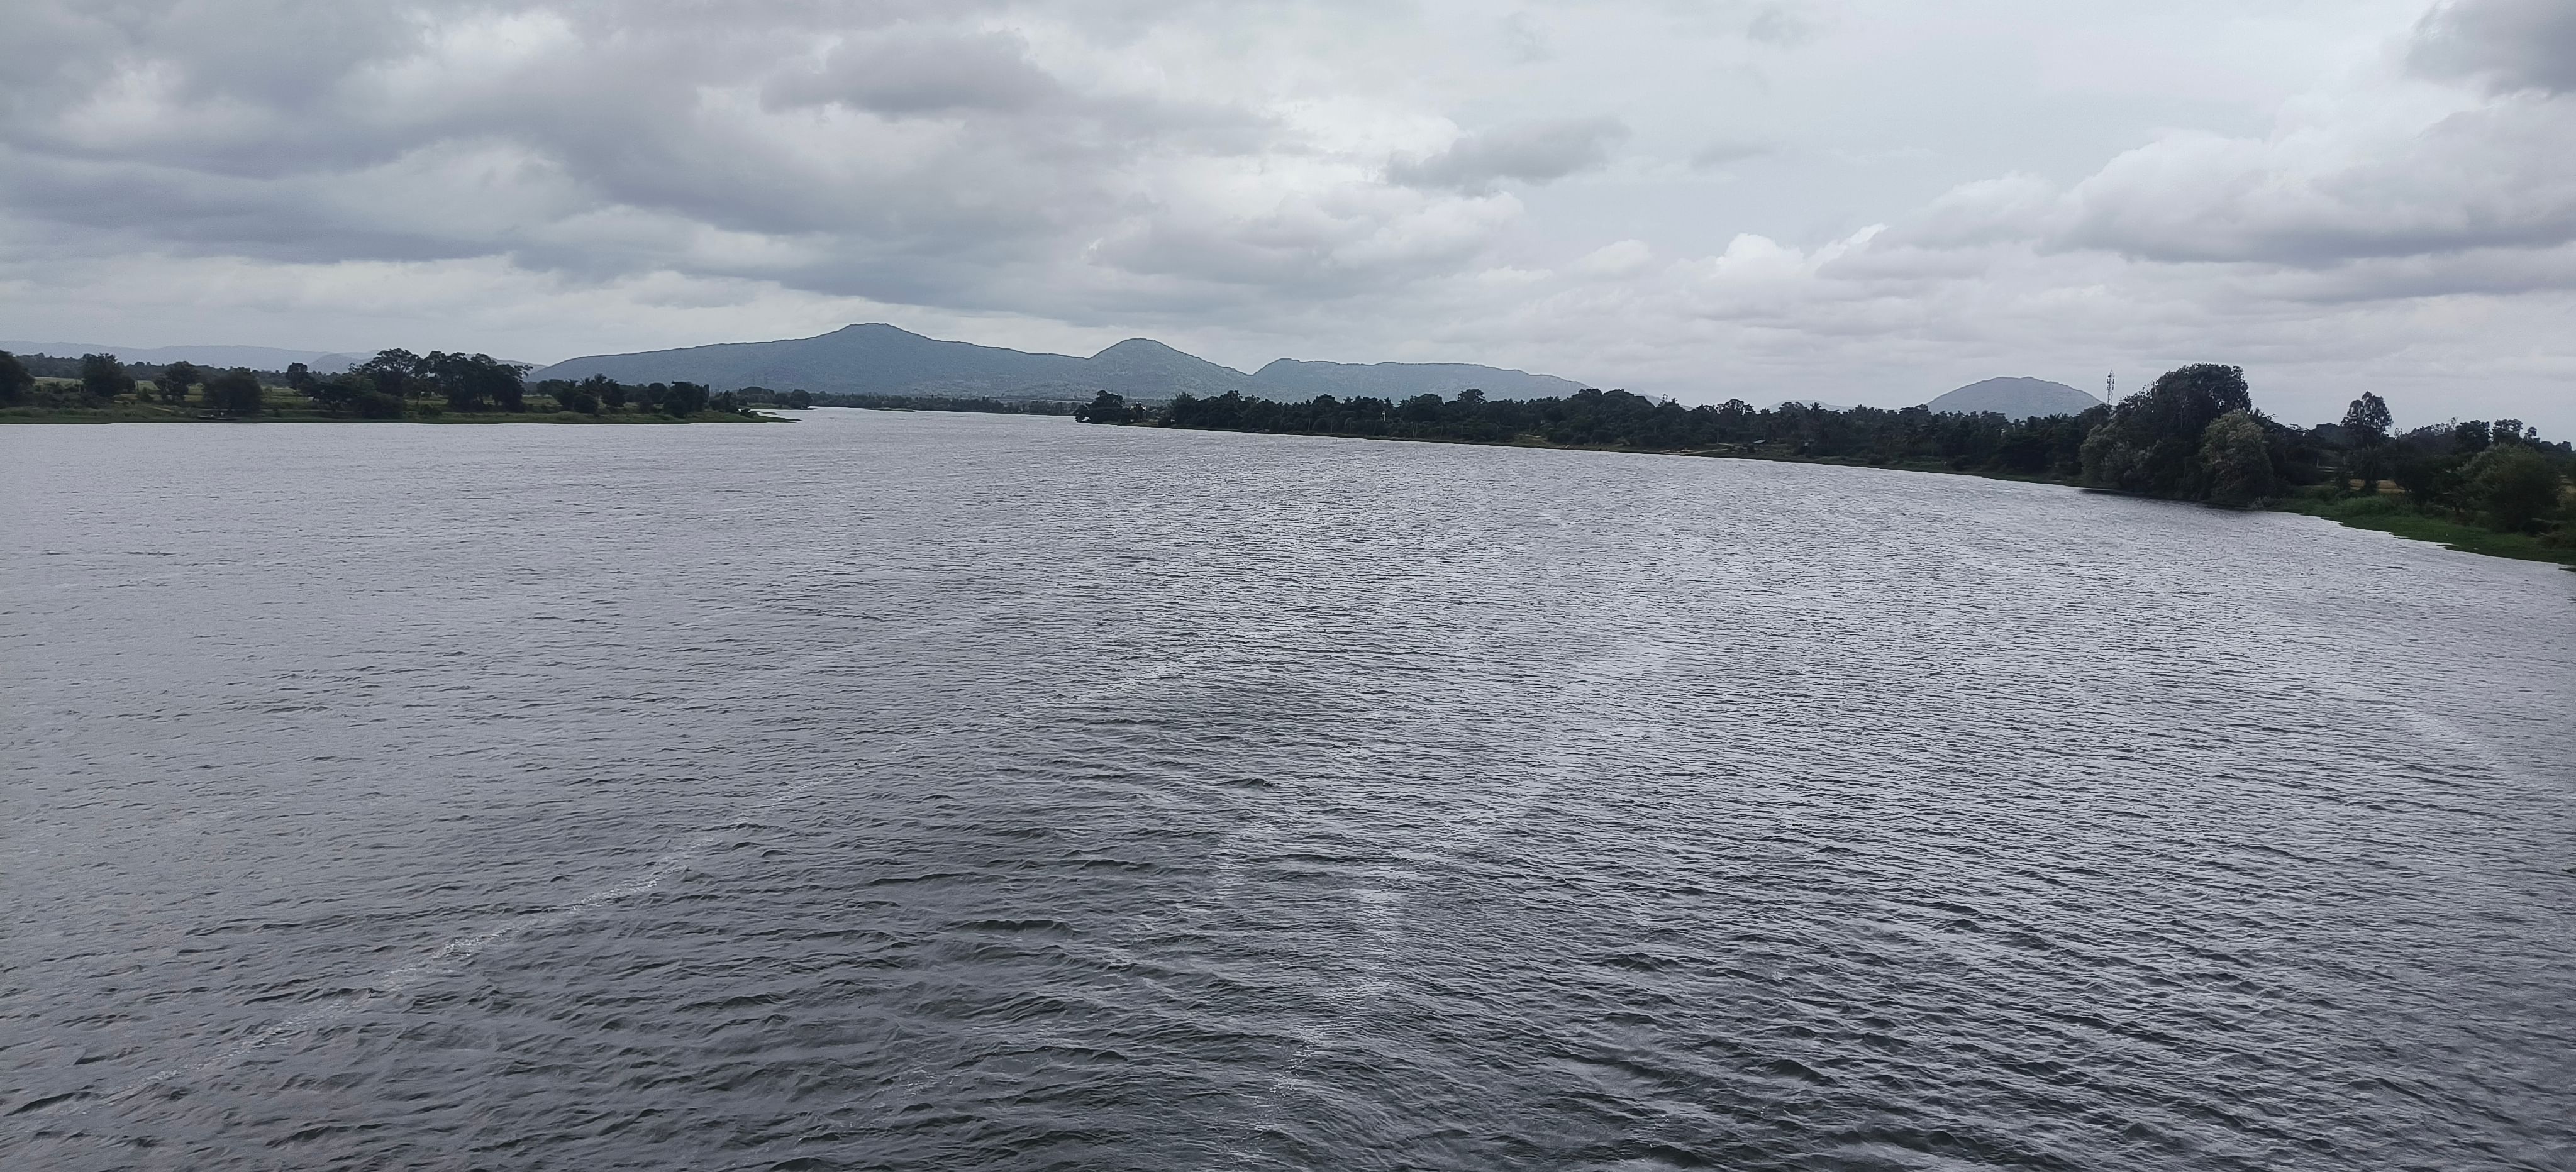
956,792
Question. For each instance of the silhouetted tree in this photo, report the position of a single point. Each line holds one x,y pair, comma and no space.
103,378
15,383
2367,421
476,382
682,399
2365,427
175,380
234,392
395,372
1105,407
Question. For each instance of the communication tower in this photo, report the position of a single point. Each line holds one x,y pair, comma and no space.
2111,388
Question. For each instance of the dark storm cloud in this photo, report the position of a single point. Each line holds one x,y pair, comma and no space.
1534,152
2508,44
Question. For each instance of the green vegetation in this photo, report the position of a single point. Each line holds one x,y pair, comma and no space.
395,385
2397,515
2193,435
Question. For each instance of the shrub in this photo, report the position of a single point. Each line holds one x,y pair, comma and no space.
2512,486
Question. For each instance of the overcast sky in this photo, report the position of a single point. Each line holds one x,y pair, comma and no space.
1853,200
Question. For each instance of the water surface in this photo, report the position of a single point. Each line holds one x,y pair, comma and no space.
929,791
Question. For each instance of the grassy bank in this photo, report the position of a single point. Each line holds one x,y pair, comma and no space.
2395,515
2392,514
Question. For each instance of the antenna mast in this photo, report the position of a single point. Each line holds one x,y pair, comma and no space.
2111,388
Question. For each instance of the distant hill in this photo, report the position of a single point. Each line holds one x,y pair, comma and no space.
878,359
1289,378
254,357
2020,398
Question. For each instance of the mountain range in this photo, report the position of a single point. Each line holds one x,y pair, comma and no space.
2020,398
878,359
218,357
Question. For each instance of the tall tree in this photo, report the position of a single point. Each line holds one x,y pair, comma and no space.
2152,442
2239,460
175,380
15,382
234,392
2365,427
2367,421
395,372
103,378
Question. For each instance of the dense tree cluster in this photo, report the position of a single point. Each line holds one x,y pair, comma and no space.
795,400
395,384
1617,419
2193,434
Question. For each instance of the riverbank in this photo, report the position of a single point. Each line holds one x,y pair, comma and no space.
2395,516
2384,514
156,413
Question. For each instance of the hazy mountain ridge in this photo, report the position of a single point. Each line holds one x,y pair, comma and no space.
255,357
879,359
2020,398
1300,379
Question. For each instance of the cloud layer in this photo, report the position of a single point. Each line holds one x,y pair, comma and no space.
1844,199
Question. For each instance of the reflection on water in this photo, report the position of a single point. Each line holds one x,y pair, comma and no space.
956,792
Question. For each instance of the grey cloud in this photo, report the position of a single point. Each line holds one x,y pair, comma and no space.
912,163
1536,152
1777,25
2508,44
915,73
2468,192
1725,151
2500,177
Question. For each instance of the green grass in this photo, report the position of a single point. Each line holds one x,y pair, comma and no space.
2396,516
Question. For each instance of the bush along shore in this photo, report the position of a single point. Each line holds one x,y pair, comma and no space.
2492,487
393,386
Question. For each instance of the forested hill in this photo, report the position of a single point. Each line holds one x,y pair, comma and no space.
878,359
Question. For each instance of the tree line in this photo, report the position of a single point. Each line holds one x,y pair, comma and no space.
2193,434
394,384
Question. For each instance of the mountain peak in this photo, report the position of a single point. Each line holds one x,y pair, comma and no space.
1137,347
2018,397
